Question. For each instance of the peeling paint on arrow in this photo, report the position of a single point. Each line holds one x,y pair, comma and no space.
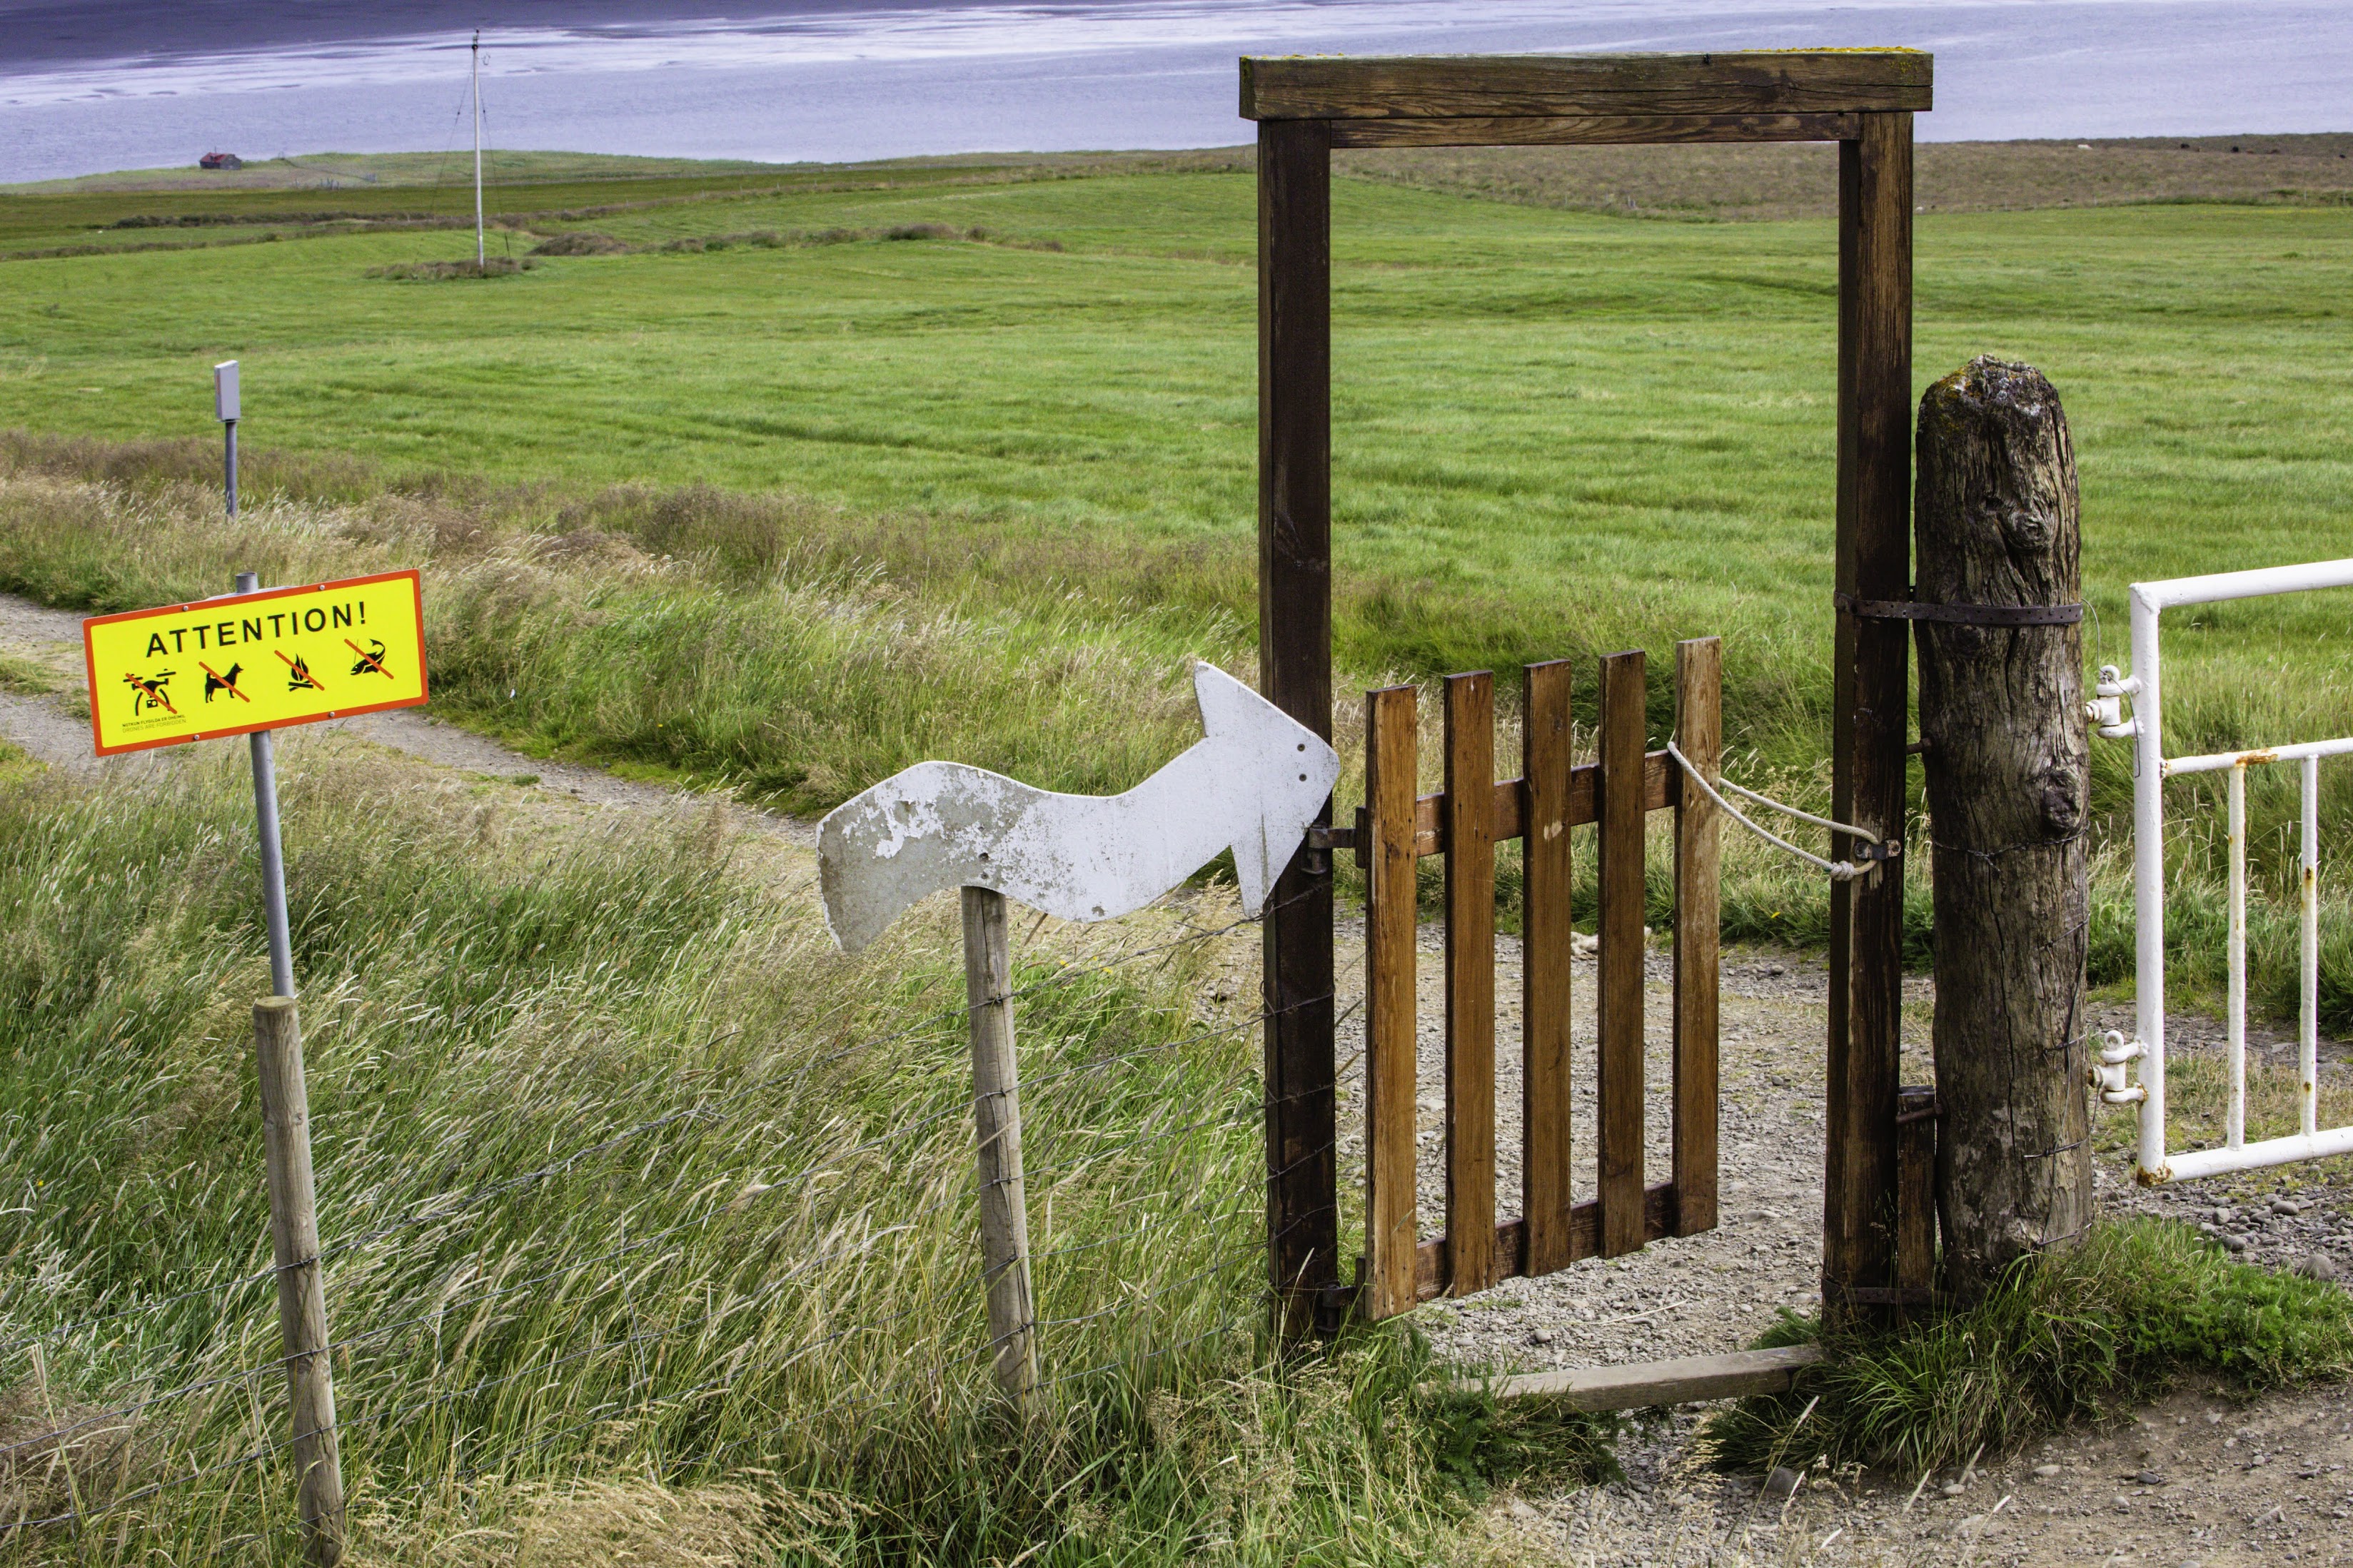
1253,783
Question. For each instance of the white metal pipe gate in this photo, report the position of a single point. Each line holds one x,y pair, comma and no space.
2151,768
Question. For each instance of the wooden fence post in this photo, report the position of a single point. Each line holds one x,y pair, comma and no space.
1471,1265
1869,720
1617,982
301,1293
2008,771
1391,1086
1547,764
997,1131
1699,734
1916,1197
1295,653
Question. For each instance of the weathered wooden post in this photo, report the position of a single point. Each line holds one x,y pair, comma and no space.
1998,617
996,1125
302,1294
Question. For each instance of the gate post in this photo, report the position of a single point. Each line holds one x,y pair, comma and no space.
1871,709
2008,771
1294,624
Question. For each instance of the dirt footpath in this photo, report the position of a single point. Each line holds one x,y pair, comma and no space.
55,727
2195,1480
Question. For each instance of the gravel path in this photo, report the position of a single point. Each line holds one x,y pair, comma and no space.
2196,1478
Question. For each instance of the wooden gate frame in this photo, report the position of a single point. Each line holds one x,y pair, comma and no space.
1864,101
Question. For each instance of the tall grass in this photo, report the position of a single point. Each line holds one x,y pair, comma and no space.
803,684
627,1179
799,652
2084,1332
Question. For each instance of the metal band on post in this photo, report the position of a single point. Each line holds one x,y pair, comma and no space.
1960,615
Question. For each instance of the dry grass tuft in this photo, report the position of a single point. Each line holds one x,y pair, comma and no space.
627,1524
446,272
1799,180
581,242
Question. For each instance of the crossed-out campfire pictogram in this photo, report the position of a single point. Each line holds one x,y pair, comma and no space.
300,679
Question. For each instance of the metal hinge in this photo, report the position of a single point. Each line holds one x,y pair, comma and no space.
2106,708
2108,1075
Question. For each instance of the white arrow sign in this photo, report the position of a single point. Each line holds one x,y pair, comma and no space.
1253,783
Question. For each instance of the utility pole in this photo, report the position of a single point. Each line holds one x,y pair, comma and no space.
479,252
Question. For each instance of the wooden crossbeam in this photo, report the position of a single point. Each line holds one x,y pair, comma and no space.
1661,788
1510,1248
1593,130
1512,87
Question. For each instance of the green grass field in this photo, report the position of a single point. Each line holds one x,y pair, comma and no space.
1557,432
1545,420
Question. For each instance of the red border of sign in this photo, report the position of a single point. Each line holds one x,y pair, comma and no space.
89,660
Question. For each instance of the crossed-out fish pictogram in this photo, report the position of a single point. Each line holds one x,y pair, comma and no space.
369,661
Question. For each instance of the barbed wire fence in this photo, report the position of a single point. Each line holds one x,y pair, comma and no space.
807,1281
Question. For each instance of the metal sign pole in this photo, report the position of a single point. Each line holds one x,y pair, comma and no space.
264,812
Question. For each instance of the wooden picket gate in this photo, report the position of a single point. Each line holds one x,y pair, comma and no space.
1464,823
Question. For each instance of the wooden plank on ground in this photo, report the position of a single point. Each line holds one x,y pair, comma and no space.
1390,1105
1733,1375
1619,988
1545,763
1591,130
1699,733
1411,87
1471,980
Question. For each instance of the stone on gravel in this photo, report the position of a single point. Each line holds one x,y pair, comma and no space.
1952,1489
2150,1478
2046,1471
2318,1266
1540,1337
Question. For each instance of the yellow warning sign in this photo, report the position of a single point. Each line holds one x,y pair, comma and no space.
255,661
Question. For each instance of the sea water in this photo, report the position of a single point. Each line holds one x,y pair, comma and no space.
90,86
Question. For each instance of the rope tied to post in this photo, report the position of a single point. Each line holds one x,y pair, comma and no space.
1837,871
